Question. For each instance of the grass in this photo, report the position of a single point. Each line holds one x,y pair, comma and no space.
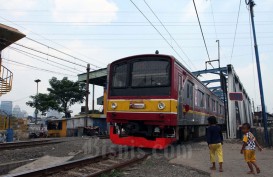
113,173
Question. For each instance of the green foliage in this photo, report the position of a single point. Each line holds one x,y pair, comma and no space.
113,173
43,102
62,94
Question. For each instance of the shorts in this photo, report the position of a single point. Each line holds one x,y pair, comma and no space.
250,155
216,150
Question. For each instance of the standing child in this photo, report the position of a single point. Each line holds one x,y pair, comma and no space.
215,141
248,148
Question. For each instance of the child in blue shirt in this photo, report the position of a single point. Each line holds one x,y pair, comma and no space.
215,142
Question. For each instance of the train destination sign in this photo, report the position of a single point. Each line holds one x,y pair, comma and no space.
236,96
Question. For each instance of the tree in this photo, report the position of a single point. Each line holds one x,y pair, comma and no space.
43,102
66,93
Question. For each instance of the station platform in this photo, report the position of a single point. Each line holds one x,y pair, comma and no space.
234,164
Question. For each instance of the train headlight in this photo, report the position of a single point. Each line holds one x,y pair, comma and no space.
161,105
114,105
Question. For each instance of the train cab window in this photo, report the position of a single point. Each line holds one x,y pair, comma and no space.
120,76
153,73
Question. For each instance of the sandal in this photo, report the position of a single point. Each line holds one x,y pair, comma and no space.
251,172
258,170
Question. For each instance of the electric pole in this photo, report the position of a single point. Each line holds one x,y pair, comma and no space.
36,110
264,116
87,93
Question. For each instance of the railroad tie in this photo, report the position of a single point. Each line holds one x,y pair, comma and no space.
92,168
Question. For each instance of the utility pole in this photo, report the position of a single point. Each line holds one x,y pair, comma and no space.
87,93
36,110
93,100
264,116
218,52
253,106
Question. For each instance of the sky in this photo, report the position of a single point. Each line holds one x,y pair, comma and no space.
102,31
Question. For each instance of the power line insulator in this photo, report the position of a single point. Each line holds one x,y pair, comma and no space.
157,52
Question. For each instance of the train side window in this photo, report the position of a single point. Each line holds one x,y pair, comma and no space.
213,105
179,83
190,91
201,99
217,107
208,102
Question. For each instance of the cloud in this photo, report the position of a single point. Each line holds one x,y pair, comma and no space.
189,11
23,6
246,76
84,10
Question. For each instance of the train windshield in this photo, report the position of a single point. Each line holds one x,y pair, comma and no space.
141,77
120,76
150,74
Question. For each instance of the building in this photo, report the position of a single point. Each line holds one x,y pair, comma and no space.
25,114
54,113
16,112
258,121
6,106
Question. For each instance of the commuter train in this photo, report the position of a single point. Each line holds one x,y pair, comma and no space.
153,101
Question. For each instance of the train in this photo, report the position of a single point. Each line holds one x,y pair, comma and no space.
153,101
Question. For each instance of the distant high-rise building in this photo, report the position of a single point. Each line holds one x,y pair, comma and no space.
54,113
6,106
25,114
17,112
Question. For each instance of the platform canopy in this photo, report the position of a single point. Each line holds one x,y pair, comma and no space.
97,77
9,35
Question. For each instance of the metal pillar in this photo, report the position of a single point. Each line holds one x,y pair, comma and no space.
251,5
37,92
93,100
87,94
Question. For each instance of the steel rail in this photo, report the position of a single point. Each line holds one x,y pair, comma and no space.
81,163
24,144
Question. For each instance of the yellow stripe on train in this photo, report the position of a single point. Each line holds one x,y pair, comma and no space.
143,105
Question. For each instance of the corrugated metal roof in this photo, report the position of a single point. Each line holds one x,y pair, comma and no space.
9,35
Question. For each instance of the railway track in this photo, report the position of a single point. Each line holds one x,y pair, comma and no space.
89,167
25,144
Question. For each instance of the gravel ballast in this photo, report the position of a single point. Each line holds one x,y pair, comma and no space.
156,165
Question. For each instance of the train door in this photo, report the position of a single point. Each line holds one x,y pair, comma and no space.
180,98
189,95
179,106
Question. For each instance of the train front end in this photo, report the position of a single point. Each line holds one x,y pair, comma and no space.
141,105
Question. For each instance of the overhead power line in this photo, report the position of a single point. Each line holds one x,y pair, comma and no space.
43,37
170,34
159,33
59,58
49,55
201,29
135,33
37,68
104,11
41,59
212,12
60,51
47,59
235,33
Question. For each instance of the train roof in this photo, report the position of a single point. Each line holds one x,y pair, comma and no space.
99,77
